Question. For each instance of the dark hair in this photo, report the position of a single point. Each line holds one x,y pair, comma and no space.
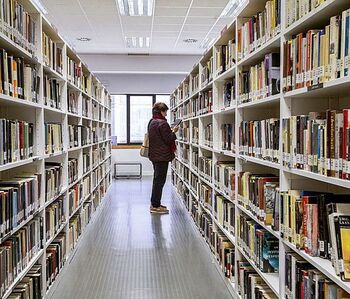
160,107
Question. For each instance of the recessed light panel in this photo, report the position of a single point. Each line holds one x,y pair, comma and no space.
137,42
134,8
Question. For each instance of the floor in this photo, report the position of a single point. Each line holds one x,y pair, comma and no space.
127,253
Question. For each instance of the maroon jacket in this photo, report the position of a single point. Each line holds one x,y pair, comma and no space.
161,139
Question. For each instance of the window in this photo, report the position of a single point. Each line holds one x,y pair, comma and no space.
131,114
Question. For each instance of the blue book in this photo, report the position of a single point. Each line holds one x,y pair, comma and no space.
346,53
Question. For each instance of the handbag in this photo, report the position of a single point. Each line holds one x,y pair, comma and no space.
144,150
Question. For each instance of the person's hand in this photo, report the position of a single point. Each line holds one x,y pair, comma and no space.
175,129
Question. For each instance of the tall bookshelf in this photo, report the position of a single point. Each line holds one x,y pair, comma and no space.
192,143
81,101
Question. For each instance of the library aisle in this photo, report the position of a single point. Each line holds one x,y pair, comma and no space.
129,253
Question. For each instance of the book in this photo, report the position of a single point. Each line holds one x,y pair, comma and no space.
224,174
72,170
261,80
260,139
72,103
86,107
208,135
56,254
53,180
258,29
52,92
52,54
53,138
17,251
74,72
54,217
229,93
228,137
16,140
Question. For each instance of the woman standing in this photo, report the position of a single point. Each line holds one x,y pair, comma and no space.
162,149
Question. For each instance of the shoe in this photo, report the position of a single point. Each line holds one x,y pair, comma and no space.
164,207
159,210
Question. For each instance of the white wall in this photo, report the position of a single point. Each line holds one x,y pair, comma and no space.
132,155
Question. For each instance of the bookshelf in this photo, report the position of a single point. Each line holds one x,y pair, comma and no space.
231,106
49,90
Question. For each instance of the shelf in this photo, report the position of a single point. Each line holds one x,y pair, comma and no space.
337,87
217,190
49,202
259,54
260,161
12,101
208,148
74,183
261,103
323,265
225,231
18,163
73,86
225,152
47,156
183,142
54,73
51,109
262,224
73,149
73,114
48,242
230,73
226,110
312,20
271,279
23,274
318,177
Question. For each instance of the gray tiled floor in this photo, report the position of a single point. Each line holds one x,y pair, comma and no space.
128,253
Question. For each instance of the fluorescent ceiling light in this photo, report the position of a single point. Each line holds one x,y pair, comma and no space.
207,43
137,42
40,6
230,9
134,8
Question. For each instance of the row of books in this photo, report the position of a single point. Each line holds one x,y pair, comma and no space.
53,138
30,286
56,255
86,108
195,134
318,223
183,152
184,132
195,159
229,93
16,140
52,92
258,29
205,195
187,110
74,72
52,54
72,101
204,103
74,197
18,251
18,78
18,24
259,194
250,283
224,177
228,137
86,162
205,167
260,139
54,217
194,83
207,71
53,180
194,183
261,80
75,230
19,199
86,186
302,280
224,213
220,245
318,142
296,10
96,176
208,135
86,84
79,135
260,245
225,57
317,56
72,170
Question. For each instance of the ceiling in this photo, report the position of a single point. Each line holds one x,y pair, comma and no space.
173,21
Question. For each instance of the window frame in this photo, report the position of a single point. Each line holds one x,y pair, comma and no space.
128,96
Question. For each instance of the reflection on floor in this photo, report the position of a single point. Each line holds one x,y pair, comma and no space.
127,253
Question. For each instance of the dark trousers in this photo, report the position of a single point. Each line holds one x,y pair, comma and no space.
159,178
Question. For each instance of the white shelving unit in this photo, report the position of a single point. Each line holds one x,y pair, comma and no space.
283,105
39,113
